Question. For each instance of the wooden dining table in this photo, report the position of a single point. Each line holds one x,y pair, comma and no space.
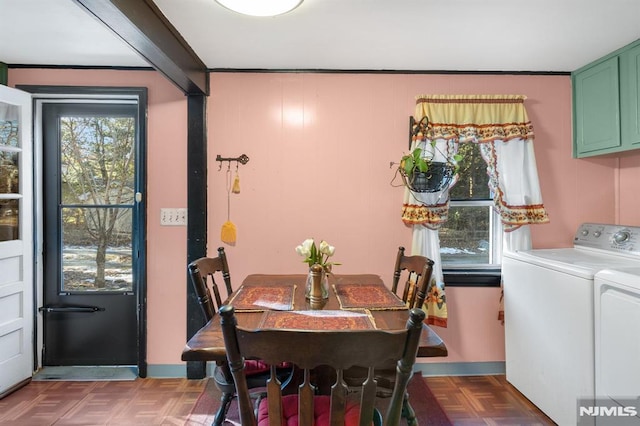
261,295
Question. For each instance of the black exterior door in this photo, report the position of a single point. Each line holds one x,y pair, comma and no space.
92,235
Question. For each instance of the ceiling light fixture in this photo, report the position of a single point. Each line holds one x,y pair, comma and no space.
260,7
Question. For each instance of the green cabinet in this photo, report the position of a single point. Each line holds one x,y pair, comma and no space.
630,97
596,92
606,104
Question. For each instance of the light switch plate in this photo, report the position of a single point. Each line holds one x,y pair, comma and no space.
173,217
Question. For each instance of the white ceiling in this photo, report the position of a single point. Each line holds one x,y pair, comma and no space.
403,35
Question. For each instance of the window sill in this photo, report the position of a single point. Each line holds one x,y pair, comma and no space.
472,277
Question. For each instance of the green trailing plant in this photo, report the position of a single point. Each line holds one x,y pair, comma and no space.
418,167
416,162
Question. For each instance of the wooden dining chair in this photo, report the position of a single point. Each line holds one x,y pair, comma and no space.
308,349
417,276
416,273
203,274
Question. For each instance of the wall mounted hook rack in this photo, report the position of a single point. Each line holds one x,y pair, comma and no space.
243,159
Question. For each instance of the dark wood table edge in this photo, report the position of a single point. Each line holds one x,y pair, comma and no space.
432,346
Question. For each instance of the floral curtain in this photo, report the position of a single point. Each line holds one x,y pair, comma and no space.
499,123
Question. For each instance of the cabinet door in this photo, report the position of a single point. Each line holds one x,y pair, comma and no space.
597,109
630,97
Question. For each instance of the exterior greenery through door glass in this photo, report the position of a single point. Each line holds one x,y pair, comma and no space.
97,186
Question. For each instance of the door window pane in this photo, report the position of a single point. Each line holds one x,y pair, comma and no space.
96,250
9,125
97,164
9,220
9,171
97,169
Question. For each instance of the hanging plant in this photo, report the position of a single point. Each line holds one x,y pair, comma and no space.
419,171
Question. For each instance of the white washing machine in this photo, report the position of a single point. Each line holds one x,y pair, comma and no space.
549,315
617,339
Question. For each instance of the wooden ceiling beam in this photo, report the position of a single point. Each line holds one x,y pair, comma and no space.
141,25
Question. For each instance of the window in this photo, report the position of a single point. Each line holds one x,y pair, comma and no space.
471,239
10,151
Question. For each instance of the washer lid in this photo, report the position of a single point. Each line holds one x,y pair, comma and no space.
575,261
623,277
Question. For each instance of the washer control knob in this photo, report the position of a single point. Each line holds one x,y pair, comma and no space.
621,237
585,232
597,234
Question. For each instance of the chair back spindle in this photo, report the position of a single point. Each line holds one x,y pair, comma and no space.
419,270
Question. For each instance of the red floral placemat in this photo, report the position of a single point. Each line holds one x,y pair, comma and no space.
264,298
317,320
367,296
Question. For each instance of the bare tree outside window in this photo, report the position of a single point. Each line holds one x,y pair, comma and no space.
97,168
469,236
473,182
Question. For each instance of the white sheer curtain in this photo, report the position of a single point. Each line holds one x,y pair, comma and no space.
513,179
499,123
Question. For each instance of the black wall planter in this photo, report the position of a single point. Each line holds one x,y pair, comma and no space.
437,178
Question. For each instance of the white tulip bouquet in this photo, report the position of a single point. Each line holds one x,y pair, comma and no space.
319,255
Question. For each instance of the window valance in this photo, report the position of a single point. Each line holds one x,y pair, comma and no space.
474,118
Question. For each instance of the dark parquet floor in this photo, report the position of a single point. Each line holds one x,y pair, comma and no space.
137,402
484,400
470,400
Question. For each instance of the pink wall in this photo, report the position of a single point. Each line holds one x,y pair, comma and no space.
627,189
320,147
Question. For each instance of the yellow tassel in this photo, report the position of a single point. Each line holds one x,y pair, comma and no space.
228,233
236,184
